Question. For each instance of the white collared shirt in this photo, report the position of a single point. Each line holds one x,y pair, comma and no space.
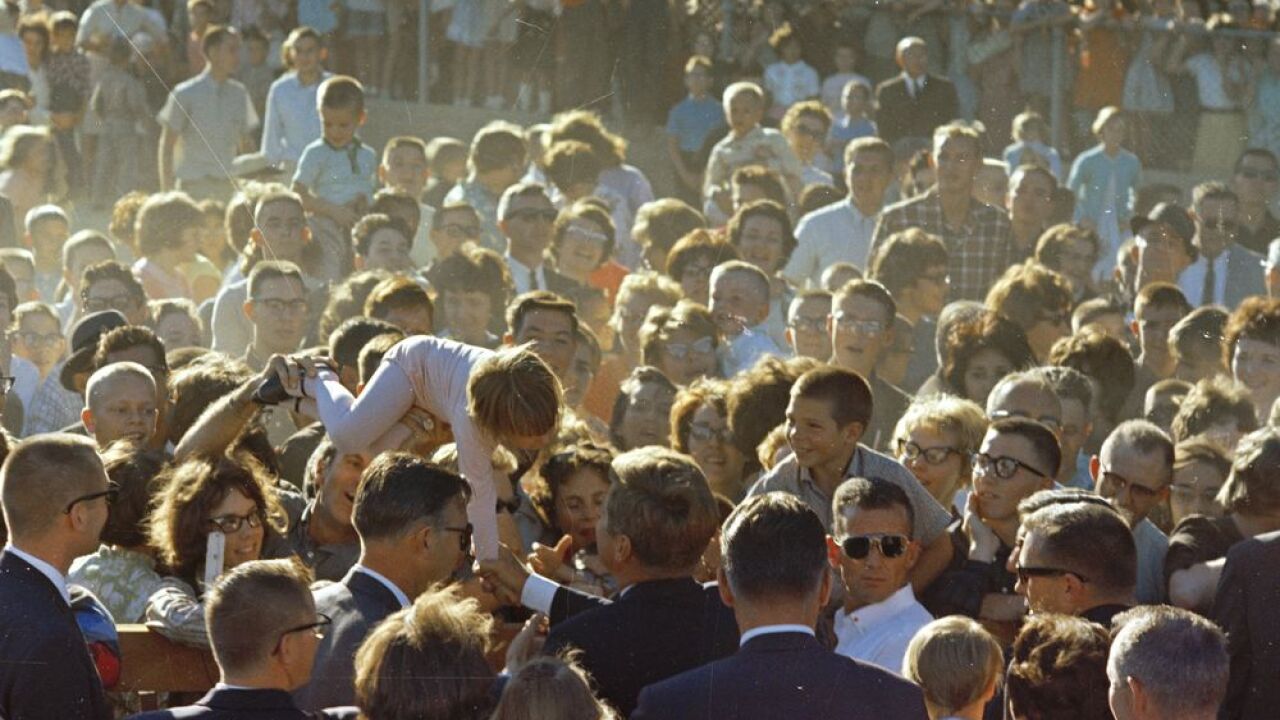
395,590
539,593
1192,279
879,633
824,237
520,275
773,630
49,571
742,352
292,120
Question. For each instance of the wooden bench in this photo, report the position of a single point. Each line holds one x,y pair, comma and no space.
152,663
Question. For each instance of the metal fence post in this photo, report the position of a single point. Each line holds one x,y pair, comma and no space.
424,78
1057,100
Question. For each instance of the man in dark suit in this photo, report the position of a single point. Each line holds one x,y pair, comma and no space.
1225,272
774,575
525,215
914,103
1247,607
264,630
548,321
658,517
54,492
411,517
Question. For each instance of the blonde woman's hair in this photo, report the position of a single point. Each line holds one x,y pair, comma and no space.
953,660
512,393
551,688
427,661
945,413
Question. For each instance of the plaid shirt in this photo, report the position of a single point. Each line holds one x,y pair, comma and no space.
980,250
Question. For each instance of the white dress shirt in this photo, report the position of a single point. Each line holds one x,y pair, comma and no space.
836,233
1192,279
879,633
292,120
401,597
773,630
520,275
49,571
741,352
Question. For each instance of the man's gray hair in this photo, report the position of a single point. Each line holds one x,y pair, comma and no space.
1179,657
519,190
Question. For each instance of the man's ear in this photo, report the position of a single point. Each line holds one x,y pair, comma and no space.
833,552
791,338
256,239
1095,468
913,553
248,309
382,173
86,417
722,584
853,431
1133,328
824,590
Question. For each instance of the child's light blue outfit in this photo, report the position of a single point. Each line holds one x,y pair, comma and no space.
1017,154
1105,188
337,175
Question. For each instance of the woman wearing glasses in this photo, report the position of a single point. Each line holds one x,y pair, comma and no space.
582,241
227,495
681,342
935,439
700,428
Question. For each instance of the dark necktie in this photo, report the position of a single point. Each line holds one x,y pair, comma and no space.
1210,282
533,279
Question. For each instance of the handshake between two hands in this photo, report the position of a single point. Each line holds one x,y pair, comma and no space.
499,582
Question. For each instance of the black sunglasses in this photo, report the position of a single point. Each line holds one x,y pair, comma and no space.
1026,573
318,627
532,214
111,493
858,547
465,534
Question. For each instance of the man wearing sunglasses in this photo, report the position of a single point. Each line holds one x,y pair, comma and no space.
1225,272
1134,470
1077,559
872,550
411,517
54,492
1256,181
264,630
525,217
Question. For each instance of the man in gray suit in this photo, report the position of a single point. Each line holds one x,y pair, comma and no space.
411,517
1225,272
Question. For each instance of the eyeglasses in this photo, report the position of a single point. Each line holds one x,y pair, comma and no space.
1004,466
98,304
461,232
858,547
908,451
1267,175
464,540
33,339
937,278
231,524
318,628
1114,485
585,234
1026,573
277,306
111,493
810,131
1187,493
1062,318
531,214
818,324
852,324
680,351
701,432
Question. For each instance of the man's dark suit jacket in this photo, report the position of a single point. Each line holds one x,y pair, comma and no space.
1247,607
902,116
239,704
355,605
653,631
45,669
783,676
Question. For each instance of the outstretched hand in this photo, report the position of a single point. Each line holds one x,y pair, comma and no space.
504,575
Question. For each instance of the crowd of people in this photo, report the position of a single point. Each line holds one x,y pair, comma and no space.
880,401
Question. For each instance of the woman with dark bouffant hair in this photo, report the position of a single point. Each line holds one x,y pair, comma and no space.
1059,670
568,494
227,495
978,353
427,662
641,413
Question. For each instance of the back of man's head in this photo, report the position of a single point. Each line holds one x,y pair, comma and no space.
398,492
661,502
249,609
41,477
1091,541
1178,658
773,547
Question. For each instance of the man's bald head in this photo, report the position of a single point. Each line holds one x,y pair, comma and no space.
120,402
41,477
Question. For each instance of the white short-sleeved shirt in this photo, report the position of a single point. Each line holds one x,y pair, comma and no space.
210,118
337,175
